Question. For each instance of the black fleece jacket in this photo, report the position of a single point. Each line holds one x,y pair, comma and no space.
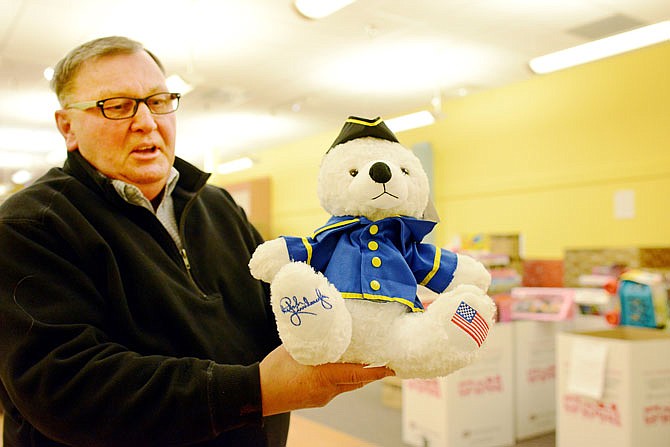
109,336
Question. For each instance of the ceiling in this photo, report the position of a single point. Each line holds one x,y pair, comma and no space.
264,75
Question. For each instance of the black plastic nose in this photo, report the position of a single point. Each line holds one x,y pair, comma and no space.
380,172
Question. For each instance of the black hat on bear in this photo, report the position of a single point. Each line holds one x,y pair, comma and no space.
356,127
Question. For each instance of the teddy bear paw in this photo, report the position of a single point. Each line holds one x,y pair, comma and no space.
268,258
313,321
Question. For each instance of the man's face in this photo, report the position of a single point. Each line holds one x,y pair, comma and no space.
138,150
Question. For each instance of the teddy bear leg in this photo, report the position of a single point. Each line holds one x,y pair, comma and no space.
466,314
446,337
313,321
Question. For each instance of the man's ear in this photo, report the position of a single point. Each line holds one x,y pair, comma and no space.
64,124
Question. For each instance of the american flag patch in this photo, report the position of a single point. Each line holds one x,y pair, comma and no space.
471,322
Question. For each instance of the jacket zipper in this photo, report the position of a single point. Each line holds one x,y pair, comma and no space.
182,251
187,264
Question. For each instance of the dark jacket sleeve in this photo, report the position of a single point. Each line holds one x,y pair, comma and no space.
78,384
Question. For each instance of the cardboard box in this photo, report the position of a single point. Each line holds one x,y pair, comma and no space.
578,262
542,273
535,377
507,244
535,371
613,388
586,323
471,407
391,392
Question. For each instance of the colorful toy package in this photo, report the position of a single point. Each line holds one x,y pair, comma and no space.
644,299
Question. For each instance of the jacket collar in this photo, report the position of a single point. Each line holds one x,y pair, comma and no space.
191,179
417,228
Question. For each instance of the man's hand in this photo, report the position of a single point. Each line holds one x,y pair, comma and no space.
286,385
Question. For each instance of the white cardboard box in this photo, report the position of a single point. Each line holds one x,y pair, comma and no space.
471,407
613,388
535,371
535,377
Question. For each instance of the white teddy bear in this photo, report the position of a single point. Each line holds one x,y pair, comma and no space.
348,292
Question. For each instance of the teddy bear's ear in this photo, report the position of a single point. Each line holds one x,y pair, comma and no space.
355,127
430,213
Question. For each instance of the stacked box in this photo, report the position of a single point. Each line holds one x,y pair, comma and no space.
535,381
613,388
506,244
582,261
473,407
654,258
542,273
535,371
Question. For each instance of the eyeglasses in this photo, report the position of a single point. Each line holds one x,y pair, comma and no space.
121,108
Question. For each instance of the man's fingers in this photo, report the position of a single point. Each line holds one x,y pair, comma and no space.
345,373
344,387
287,385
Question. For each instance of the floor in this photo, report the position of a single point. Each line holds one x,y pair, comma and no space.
360,419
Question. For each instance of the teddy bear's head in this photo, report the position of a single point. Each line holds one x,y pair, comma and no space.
367,172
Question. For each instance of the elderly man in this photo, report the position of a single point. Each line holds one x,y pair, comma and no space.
127,312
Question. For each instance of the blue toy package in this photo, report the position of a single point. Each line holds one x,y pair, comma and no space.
644,301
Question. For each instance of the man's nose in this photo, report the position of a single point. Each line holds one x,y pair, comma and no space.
144,119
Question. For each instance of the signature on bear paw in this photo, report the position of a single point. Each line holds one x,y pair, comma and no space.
298,307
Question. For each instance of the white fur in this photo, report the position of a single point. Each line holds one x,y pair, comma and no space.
415,345
268,258
318,326
341,194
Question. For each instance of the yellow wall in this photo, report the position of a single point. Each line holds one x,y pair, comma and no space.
292,170
542,158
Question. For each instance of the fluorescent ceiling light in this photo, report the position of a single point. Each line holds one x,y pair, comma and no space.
29,141
22,177
239,164
602,48
176,84
31,107
48,73
318,9
18,160
410,121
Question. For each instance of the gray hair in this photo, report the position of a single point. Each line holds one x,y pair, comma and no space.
67,68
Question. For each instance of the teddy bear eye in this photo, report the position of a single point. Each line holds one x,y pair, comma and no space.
353,172
405,171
